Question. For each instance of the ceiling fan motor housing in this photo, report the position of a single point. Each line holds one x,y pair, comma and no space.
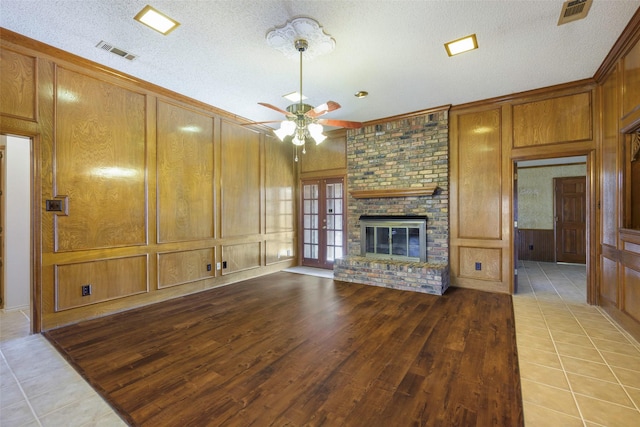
301,45
299,108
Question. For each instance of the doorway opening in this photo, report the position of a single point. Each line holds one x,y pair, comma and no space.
16,223
552,213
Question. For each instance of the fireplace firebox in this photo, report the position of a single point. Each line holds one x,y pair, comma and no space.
394,237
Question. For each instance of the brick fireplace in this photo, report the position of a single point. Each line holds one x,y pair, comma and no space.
399,168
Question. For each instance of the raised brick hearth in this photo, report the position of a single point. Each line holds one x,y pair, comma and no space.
411,153
408,276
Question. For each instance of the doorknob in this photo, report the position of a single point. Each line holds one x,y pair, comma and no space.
324,227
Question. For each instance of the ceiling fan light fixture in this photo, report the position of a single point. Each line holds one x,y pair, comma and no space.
156,20
287,128
461,45
315,130
361,94
298,141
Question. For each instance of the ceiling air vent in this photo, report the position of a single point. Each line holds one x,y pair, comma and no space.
120,52
572,10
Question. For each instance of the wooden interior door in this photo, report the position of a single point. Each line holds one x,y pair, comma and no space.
570,219
323,219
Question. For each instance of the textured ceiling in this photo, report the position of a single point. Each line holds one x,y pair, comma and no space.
392,49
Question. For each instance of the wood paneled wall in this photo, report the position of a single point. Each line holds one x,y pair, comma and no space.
162,195
486,139
536,245
619,256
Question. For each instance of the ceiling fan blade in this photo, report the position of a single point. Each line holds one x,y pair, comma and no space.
323,109
340,123
273,107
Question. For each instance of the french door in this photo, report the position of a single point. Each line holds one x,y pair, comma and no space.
323,222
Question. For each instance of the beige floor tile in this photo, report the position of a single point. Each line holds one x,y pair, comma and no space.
634,393
579,352
535,356
531,329
538,416
617,347
549,397
537,342
10,393
73,392
598,389
6,376
86,412
571,327
543,375
50,383
599,371
601,412
569,338
600,325
17,414
610,336
627,377
621,360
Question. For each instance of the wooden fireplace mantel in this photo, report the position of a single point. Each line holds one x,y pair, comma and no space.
426,190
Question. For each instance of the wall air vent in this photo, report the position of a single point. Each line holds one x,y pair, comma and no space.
120,52
572,10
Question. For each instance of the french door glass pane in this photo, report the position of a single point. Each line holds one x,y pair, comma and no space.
330,253
338,251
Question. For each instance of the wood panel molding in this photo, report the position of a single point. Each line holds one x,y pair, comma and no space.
109,279
426,190
185,172
18,85
554,120
100,163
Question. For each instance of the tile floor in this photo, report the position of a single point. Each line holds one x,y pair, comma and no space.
577,366
38,387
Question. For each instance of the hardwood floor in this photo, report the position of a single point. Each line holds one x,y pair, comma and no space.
293,350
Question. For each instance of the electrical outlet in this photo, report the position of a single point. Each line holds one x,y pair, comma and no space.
86,290
54,205
208,267
478,266
530,247
224,264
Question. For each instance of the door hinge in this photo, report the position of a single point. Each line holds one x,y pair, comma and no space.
515,224
515,272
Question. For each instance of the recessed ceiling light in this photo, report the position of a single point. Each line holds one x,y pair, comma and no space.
361,94
294,96
464,44
156,20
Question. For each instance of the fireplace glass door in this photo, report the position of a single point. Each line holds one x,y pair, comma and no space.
389,237
322,222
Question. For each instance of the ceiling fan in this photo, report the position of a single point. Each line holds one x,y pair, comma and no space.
303,120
